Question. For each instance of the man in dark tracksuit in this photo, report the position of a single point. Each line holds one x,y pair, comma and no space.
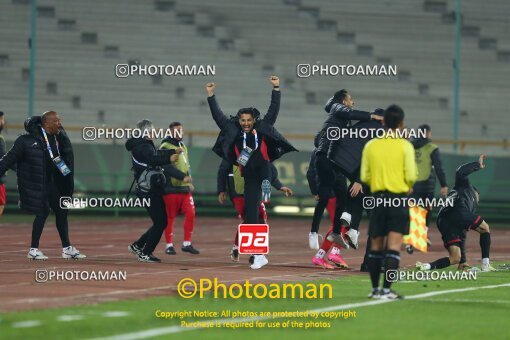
145,155
316,186
454,221
253,143
340,110
334,255
230,180
346,154
178,192
427,158
44,162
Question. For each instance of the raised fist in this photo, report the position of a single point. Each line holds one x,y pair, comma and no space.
274,80
210,87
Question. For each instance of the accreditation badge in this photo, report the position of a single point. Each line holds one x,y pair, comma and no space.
245,156
61,165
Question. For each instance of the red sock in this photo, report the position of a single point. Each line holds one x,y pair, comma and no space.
188,208
326,245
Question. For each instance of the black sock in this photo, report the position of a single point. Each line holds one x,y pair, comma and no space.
392,260
440,263
485,244
374,266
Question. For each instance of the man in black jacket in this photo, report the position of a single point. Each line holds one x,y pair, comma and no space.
340,113
454,221
334,255
144,155
231,181
44,161
252,143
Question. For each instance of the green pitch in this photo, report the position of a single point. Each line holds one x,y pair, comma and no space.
433,310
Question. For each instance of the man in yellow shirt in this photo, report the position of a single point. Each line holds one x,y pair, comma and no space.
388,167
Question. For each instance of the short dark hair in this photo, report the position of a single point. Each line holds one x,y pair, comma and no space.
1,113
393,116
174,124
425,127
340,96
250,110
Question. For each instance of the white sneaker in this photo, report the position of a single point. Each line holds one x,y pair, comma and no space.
259,261
488,268
338,240
352,236
71,253
36,254
422,266
313,241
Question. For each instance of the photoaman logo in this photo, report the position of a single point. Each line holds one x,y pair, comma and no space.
253,238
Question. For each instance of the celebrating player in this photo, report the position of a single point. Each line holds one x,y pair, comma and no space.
252,143
231,181
454,221
341,112
334,255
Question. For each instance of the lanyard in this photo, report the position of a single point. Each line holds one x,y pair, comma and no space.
139,163
181,145
48,143
256,139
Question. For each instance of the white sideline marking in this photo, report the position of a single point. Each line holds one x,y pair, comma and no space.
65,318
115,314
26,324
470,301
177,329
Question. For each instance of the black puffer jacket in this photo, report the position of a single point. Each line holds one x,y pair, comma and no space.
29,155
277,145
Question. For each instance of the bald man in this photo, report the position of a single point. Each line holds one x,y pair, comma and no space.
44,160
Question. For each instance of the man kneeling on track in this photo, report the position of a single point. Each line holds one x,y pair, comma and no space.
454,221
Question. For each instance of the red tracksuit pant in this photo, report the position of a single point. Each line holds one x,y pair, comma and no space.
175,204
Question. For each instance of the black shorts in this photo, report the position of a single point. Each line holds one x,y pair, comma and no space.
384,219
450,233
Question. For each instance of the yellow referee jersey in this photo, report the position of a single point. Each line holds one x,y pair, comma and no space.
388,164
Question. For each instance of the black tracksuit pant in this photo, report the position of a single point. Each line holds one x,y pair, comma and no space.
330,178
253,178
53,197
150,239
